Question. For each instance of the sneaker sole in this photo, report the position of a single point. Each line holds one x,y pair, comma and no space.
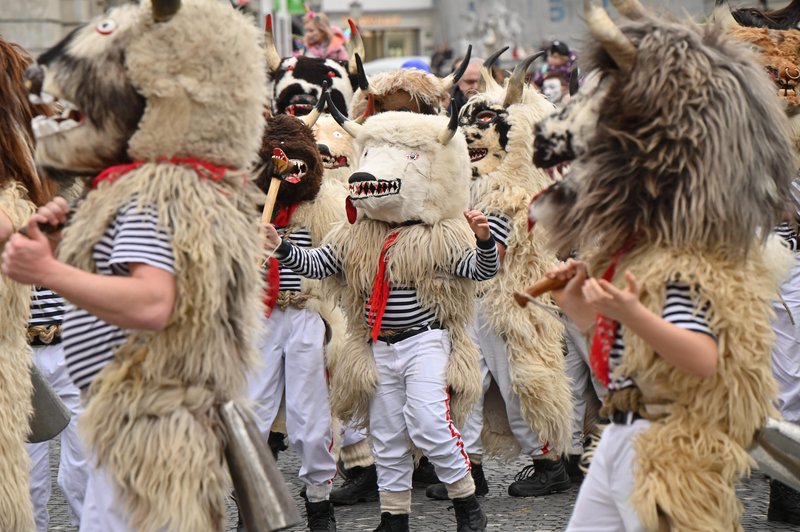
558,488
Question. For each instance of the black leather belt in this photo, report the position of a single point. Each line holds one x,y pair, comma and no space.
624,418
408,333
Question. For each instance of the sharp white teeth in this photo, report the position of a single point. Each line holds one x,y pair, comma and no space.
43,127
47,97
35,99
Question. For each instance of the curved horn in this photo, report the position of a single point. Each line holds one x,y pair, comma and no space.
574,81
363,81
273,57
452,79
348,125
632,9
487,81
618,46
163,10
722,15
516,84
358,47
447,135
311,118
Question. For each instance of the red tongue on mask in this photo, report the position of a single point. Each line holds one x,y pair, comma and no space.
352,213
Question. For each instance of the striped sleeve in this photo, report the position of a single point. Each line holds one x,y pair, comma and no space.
788,235
139,239
314,263
480,264
681,310
500,228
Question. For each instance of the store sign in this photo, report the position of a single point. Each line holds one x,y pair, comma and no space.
295,7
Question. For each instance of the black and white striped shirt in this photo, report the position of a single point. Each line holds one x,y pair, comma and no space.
500,227
788,234
47,307
289,280
680,310
403,309
133,237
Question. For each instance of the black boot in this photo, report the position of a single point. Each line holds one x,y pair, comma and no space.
469,516
277,443
320,516
439,491
540,478
361,486
424,474
393,523
573,467
784,503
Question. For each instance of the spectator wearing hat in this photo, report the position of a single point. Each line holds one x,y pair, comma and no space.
559,61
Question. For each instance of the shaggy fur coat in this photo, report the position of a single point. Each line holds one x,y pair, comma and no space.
533,337
16,511
701,445
151,419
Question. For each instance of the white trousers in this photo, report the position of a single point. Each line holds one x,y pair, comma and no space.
352,435
72,464
786,351
293,361
411,401
578,370
602,504
494,365
102,509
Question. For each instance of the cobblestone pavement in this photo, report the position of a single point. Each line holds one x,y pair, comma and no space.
505,513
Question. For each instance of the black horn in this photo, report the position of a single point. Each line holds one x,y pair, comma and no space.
574,81
363,81
516,84
348,125
163,10
452,126
486,80
453,78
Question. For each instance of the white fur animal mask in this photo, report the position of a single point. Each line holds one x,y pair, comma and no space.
133,86
412,168
336,147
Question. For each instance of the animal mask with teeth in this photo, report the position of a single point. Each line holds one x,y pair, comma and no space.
295,138
335,147
413,168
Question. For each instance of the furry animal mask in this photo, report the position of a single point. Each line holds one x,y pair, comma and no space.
131,85
413,168
486,118
402,90
677,140
297,141
336,148
297,83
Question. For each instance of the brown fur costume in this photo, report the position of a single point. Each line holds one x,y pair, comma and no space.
533,337
656,164
407,89
21,190
151,419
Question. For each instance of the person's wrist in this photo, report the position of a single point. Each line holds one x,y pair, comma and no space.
49,272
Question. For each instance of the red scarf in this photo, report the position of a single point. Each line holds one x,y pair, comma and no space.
204,169
282,219
380,291
605,329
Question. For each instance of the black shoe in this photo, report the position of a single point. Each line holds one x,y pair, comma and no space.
424,474
573,467
540,478
439,491
361,486
469,516
784,503
393,523
320,516
277,443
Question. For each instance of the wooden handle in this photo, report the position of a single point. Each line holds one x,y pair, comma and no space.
540,287
269,205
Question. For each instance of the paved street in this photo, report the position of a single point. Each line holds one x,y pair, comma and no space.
505,513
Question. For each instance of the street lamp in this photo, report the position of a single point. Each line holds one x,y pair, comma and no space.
356,10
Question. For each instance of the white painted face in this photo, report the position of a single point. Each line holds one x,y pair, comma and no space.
565,135
392,183
551,88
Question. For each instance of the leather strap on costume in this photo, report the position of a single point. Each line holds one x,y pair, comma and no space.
283,218
631,399
380,291
605,329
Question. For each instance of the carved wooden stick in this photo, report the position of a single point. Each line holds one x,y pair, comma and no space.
540,287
